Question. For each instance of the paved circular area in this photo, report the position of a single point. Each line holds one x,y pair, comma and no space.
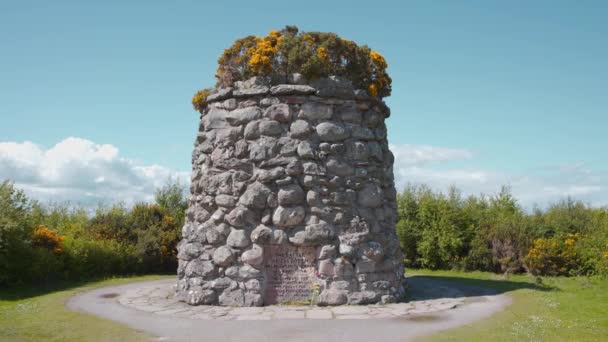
157,297
434,305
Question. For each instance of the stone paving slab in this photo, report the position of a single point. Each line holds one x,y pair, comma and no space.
157,298
388,323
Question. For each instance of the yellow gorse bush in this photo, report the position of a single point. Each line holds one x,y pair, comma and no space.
263,53
553,256
199,100
45,238
312,54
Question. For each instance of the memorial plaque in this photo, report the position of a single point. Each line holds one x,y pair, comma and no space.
290,272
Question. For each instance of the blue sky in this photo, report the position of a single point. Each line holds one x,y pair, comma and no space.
485,93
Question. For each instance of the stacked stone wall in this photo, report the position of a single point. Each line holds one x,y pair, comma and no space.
288,172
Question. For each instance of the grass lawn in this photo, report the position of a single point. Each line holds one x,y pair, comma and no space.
39,314
560,309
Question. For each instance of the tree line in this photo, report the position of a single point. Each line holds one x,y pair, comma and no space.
46,243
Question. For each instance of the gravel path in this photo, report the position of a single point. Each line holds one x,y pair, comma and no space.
434,306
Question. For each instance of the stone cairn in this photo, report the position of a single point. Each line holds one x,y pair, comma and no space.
292,198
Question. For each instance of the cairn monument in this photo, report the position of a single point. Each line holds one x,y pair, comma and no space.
292,189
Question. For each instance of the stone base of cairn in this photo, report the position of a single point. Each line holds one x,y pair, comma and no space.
292,199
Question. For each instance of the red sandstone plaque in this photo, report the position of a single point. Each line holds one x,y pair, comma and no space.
290,272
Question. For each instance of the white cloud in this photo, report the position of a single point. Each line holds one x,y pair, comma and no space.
80,171
416,155
431,165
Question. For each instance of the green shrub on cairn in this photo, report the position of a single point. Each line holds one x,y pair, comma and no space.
314,55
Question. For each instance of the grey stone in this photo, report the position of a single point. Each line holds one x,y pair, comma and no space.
332,297
232,298
223,229
288,146
326,268
252,130
269,101
215,118
336,167
300,129
253,299
200,268
327,251
238,238
292,89
255,196
279,112
346,250
225,201
243,116
312,168
294,168
313,111
291,195
219,94
362,133
270,127
214,237
253,82
250,92
363,297
241,149
305,150
261,234
223,256
190,251
200,296
350,114
380,132
221,283
370,196
266,176
365,266
253,285
279,237
247,272
331,131
288,216
343,269
357,151
241,217
313,234
253,256
334,86
229,104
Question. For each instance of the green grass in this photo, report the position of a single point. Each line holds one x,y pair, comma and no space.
39,314
556,309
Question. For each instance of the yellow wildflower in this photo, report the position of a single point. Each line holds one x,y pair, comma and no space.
322,53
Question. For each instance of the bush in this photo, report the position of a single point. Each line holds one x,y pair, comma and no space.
41,244
443,231
199,100
47,239
312,54
554,256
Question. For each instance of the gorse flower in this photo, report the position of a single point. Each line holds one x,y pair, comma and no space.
312,54
199,100
322,53
48,239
